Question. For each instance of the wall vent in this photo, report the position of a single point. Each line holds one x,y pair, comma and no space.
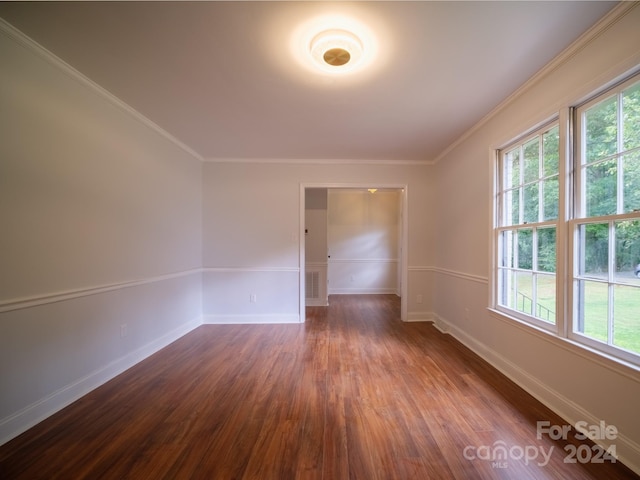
312,285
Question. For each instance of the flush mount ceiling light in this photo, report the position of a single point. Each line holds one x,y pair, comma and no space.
334,45
336,49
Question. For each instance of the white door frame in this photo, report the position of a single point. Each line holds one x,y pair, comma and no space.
404,240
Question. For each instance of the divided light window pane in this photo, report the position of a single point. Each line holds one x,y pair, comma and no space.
593,309
546,298
523,293
550,198
594,254
527,241
531,160
507,241
607,274
525,248
601,130
627,320
513,165
601,188
531,206
551,154
627,252
631,180
547,249
631,117
550,144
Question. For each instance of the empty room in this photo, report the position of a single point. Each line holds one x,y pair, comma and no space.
320,240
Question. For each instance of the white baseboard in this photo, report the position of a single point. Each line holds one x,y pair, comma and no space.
627,450
363,291
419,317
221,319
316,303
21,421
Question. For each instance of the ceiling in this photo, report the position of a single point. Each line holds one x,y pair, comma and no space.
221,77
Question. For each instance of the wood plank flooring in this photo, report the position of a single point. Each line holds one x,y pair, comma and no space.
353,393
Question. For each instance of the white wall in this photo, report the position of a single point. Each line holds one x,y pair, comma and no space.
101,243
576,383
251,234
363,241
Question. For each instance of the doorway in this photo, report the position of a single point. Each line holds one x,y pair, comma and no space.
374,216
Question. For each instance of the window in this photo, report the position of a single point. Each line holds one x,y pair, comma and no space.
526,236
597,302
606,228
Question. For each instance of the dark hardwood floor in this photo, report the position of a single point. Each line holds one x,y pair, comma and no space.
352,394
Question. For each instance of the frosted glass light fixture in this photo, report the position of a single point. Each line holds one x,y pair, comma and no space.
336,49
335,46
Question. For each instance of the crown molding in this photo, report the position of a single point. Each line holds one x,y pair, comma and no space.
606,22
318,161
20,38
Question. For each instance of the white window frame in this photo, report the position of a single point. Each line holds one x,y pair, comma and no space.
580,218
571,214
500,226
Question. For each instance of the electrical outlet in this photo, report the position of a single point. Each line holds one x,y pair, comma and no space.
253,298
123,330
419,298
